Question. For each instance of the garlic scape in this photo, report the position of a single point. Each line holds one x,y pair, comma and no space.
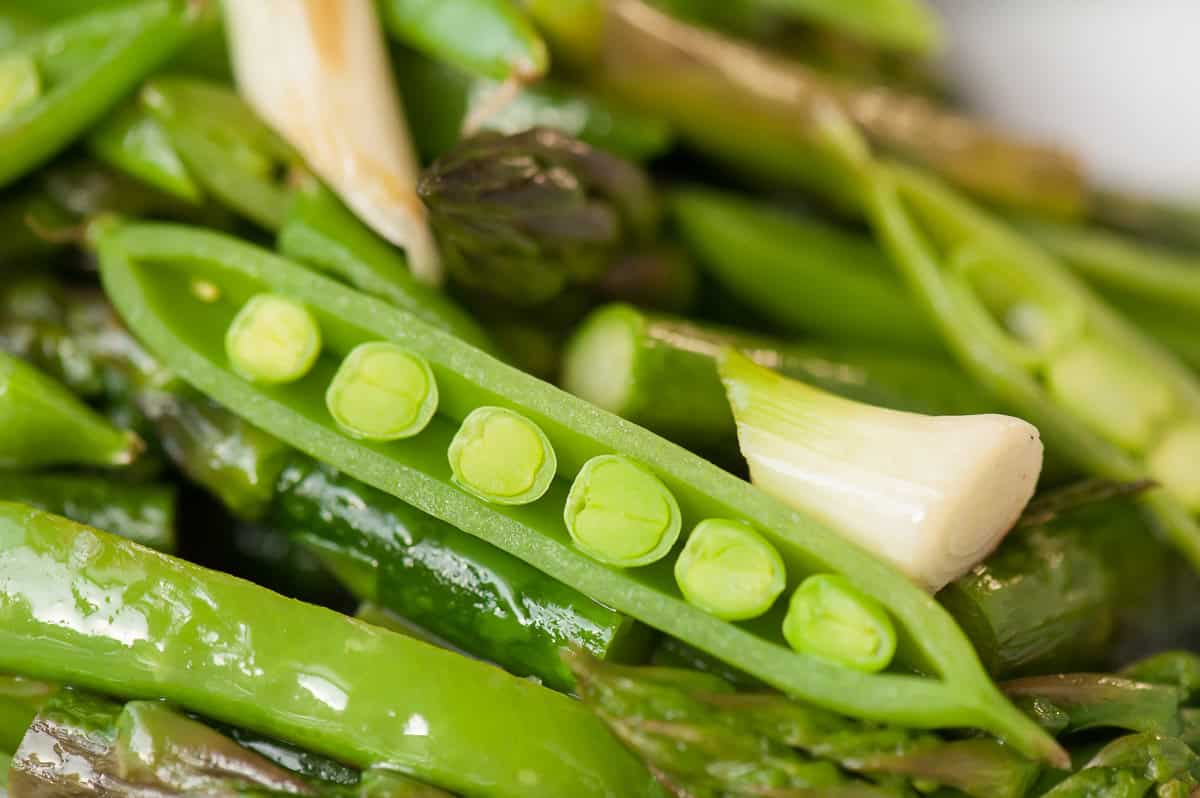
931,494
318,72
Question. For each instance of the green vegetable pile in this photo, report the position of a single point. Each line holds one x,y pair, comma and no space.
604,398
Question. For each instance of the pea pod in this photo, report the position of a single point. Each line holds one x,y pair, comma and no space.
360,694
134,142
319,230
1116,403
86,65
146,268
42,423
446,581
226,148
492,38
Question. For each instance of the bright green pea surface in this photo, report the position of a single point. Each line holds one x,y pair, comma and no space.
382,392
273,340
830,618
502,457
730,570
620,513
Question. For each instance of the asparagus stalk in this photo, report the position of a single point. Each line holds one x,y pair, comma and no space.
82,745
441,98
1081,701
660,371
715,90
1085,590
445,581
694,731
144,513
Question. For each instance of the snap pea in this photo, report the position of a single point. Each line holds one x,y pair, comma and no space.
492,38
144,268
508,612
1157,288
227,149
134,142
163,628
318,230
803,275
466,592
87,64
144,513
1100,392
440,99
42,423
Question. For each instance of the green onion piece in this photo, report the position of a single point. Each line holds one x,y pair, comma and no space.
619,513
273,339
502,457
1175,462
382,392
1112,392
830,618
729,570
20,83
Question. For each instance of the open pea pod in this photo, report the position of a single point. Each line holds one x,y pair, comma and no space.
68,76
147,270
1099,390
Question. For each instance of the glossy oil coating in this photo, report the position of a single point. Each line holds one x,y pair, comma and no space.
81,606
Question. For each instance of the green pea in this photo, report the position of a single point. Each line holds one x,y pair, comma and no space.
830,618
382,392
729,570
502,457
273,340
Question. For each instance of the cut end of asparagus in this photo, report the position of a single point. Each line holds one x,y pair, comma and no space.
931,494
608,336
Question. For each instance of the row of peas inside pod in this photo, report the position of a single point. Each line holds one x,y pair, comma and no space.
616,511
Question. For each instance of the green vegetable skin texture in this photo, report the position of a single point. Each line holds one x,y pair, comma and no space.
908,208
42,424
803,275
209,642
318,230
660,372
506,610
439,99
143,513
226,148
20,700
186,334
492,38
1074,594
87,64
473,595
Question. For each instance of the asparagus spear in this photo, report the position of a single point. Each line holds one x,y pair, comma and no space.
144,513
523,217
1087,589
765,114
660,371
441,98
83,745
693,730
